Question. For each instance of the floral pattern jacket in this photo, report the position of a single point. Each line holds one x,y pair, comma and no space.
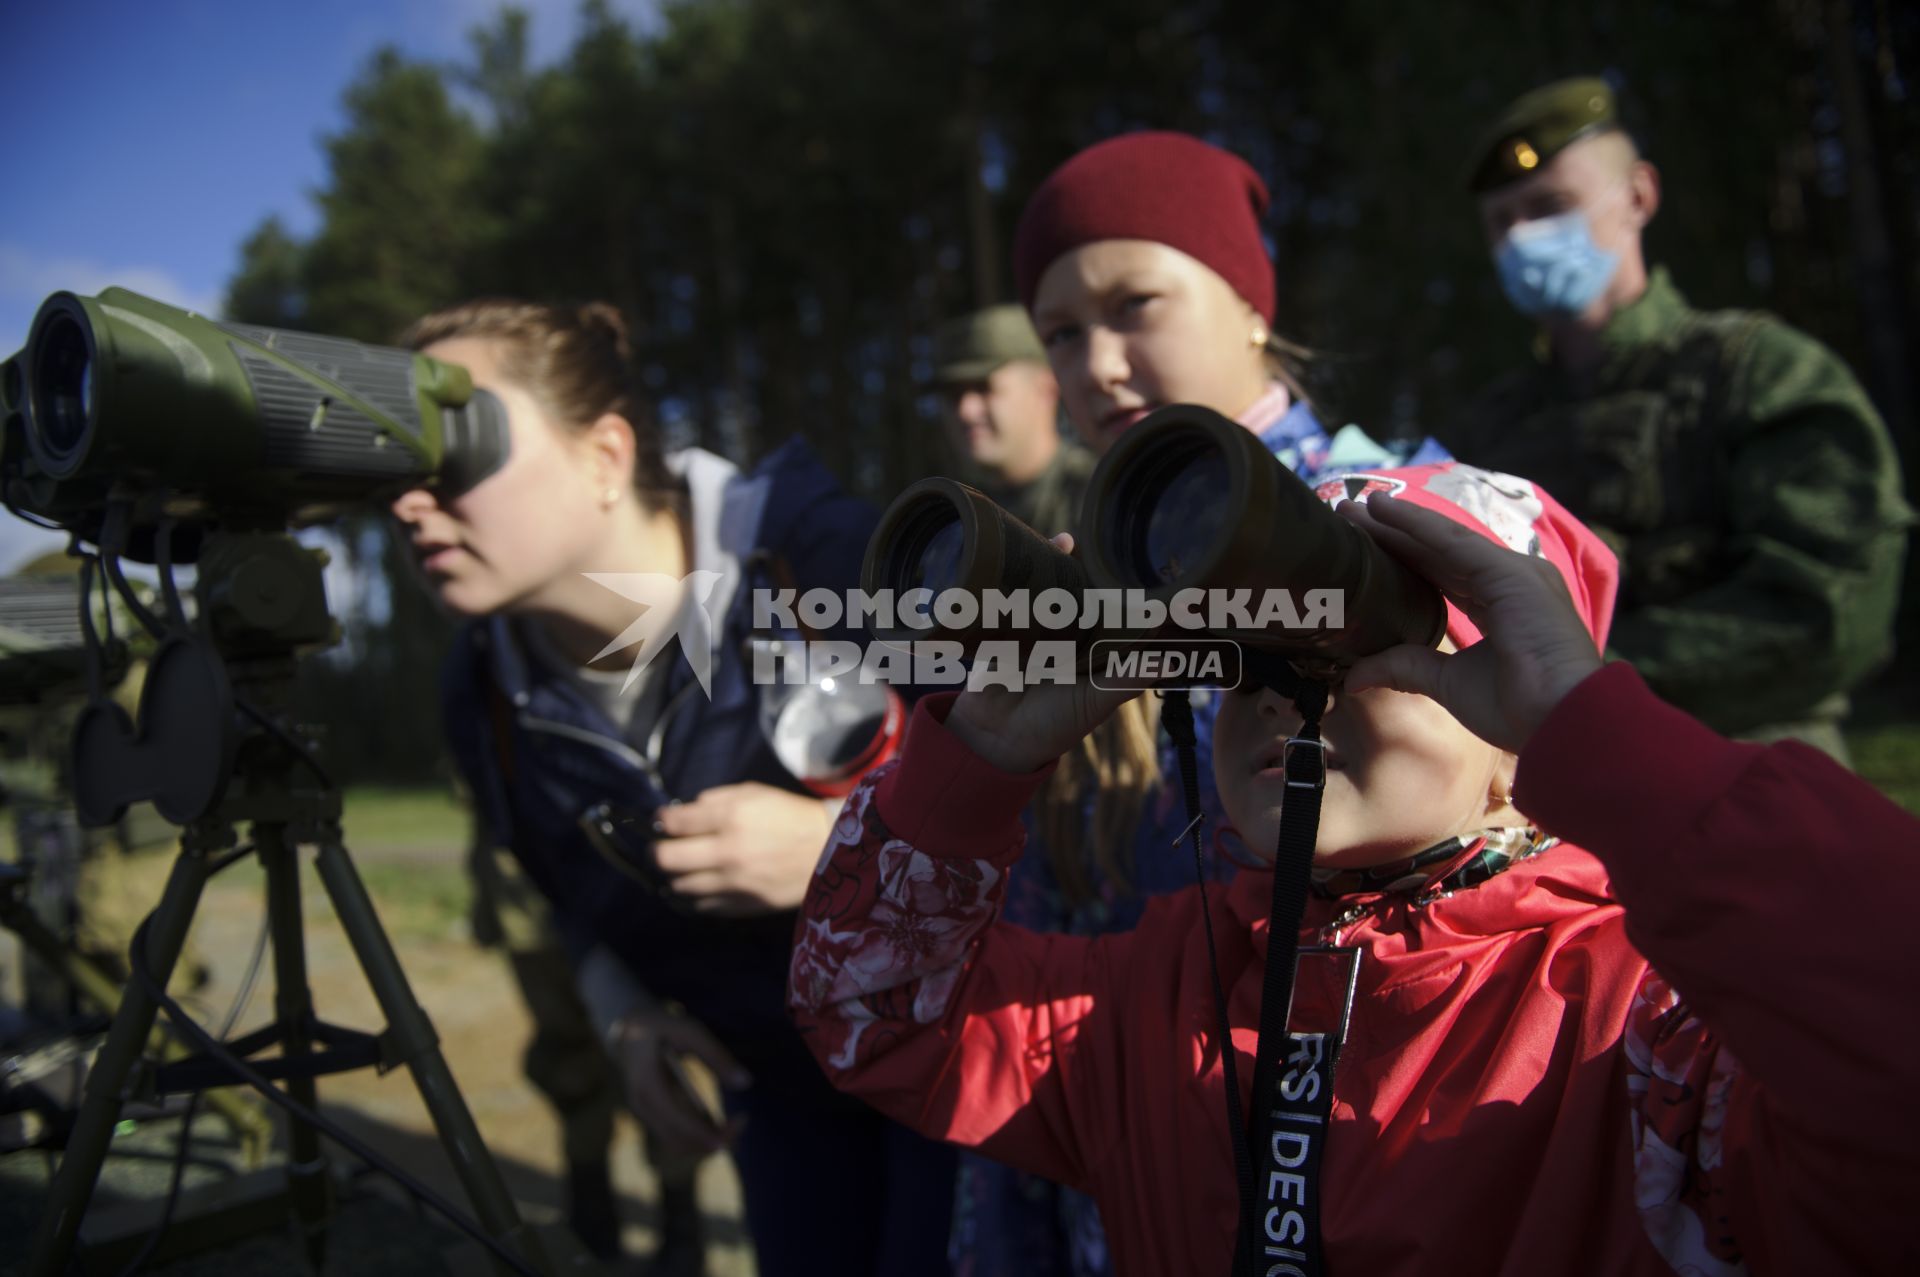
1520,1089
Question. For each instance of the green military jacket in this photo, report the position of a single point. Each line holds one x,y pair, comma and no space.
1051,503
1749,488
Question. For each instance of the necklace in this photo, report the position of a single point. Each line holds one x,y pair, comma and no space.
1458,864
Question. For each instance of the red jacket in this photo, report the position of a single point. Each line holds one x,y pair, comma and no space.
1520,1092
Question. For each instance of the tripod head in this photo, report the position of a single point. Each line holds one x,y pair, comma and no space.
209,734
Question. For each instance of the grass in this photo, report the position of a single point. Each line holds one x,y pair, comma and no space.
421,818
410,848
418,900
1889,756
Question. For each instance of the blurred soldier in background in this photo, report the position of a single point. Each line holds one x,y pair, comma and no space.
1733,462
1001,407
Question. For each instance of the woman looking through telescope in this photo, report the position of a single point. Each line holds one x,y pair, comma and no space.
648,806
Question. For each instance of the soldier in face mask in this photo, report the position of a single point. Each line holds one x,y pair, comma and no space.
1734,463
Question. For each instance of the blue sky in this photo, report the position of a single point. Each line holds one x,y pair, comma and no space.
146,138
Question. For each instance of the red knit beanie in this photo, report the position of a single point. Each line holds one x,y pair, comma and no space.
1167,187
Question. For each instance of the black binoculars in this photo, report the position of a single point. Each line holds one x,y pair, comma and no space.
1187,501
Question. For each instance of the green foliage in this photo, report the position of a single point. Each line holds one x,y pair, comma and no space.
785,199
430,819
401,223
270,286
1889,756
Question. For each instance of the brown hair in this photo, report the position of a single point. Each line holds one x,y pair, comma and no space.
576,361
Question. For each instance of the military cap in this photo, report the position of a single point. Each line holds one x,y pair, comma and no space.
969,348
1537,126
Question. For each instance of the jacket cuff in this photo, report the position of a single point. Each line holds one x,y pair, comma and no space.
1612,759
948,801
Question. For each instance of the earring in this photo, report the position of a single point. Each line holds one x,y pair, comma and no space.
1502,800
1258,337
610,499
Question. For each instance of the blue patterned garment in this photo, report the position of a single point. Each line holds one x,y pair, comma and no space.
1009,1224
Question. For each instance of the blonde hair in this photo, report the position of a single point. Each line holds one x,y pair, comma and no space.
1289,363
1120,762
577,363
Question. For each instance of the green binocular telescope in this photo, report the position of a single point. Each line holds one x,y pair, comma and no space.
121,396
1186,512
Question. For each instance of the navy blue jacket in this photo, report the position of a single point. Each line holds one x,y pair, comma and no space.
561,755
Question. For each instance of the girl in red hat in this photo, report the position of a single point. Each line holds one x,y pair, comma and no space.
1601,991
1142,261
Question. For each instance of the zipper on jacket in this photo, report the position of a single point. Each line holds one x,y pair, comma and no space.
585,736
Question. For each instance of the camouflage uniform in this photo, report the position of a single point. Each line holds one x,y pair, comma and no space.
1051,503
1751,492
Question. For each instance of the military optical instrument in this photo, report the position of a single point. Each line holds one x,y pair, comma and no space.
1185,500
226,423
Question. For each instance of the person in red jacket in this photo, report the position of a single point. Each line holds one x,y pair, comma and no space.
1625,997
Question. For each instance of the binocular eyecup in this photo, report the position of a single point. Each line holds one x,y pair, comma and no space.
1188,516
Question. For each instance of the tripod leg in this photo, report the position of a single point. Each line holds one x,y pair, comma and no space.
419,1048
100,1110
293,1006
245,1117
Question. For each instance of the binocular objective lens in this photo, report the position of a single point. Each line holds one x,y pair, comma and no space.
62,387
1183,519
937,566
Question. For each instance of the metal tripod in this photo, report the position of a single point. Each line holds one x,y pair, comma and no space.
260,598
246,1117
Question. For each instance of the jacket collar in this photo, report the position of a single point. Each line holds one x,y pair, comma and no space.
1647,316
1294,430
1557,884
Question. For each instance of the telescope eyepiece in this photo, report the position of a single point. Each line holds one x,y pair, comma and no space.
477,442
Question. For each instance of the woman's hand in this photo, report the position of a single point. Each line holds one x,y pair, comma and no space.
743,849
652,1048
1534,650
1023,731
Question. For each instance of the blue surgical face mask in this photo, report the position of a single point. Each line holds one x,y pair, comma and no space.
1551,267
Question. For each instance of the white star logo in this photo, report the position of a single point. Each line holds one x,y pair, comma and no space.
664,612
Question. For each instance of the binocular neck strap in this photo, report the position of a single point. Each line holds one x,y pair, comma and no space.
1305,762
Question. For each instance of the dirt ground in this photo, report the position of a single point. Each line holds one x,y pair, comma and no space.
419,888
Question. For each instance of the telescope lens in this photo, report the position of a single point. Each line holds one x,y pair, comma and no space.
1179,519
62,388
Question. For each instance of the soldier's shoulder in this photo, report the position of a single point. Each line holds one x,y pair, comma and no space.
1761,339
1777,366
